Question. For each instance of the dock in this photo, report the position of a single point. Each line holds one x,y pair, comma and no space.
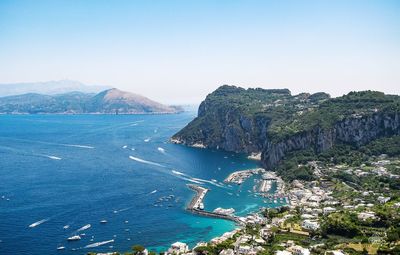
194,205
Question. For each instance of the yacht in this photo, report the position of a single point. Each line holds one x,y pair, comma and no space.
74,238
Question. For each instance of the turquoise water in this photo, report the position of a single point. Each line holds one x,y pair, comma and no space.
59,170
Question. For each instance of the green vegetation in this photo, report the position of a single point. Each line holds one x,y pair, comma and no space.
341,224
215,249
284,114
294,165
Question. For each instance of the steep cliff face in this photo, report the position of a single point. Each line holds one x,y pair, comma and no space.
355,131
274,123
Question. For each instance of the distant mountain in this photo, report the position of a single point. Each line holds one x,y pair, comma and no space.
48,88
112,101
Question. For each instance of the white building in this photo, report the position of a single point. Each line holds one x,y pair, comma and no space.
178,248
265,232
244,249
283,253
383,200
227,252
366,215
328,210
310,225
334,253
298,250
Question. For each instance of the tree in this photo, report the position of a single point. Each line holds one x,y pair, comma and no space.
138,249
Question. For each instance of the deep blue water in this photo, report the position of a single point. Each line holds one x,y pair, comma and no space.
76,170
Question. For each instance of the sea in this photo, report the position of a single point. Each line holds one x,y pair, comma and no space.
62,175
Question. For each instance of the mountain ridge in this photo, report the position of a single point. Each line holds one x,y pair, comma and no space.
48,87
75,102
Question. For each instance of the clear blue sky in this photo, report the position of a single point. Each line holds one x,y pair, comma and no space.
178,51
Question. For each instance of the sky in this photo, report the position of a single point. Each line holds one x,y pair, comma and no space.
179,51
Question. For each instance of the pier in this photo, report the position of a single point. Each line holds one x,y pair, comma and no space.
197,200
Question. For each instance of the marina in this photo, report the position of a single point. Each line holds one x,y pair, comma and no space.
239,177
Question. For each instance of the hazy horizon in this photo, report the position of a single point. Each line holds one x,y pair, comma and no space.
179,51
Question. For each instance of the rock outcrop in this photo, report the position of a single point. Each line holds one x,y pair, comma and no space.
359,131
275,123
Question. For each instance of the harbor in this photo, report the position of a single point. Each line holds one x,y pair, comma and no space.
196,205
239,177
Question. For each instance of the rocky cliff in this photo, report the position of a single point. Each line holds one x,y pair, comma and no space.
274,123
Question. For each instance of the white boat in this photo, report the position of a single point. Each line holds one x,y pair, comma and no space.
103,221
61,248
74,238
201,206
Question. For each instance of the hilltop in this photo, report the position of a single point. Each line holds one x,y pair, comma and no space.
273,124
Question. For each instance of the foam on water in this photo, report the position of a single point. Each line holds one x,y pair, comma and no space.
145,161
196,180
52,157
93,245
190,180
178,173
37,223
84,228
122,210
78,146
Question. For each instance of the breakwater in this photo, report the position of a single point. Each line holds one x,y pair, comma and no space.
194,205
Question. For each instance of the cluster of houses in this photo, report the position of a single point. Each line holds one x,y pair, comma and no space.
313,200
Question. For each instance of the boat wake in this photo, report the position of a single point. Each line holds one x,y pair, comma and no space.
186,177
178,173
93,245
248,208
37,223
84,228
52,157
210,182
122,210
78,146
145,161
190,180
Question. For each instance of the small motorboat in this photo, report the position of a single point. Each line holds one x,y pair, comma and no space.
74,238
103,221
61,248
